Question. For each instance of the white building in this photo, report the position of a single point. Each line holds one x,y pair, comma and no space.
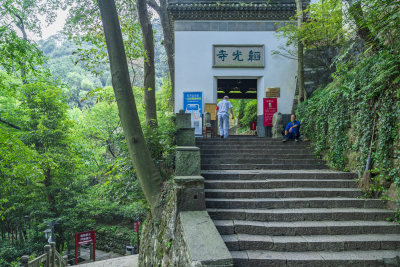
228,46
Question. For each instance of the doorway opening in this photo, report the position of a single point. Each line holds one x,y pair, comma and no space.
242,94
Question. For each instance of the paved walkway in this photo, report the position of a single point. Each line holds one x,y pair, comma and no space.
126,261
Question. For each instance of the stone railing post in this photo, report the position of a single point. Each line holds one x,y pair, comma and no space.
53,254
47,252
277,125
188,182
187,161
24,261
185,132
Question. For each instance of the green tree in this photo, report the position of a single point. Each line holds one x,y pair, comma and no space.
149,68
149,177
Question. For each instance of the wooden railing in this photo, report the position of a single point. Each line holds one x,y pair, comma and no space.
50,258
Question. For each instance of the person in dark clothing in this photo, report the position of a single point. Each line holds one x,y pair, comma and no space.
292,130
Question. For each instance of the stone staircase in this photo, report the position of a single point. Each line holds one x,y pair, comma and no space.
275,204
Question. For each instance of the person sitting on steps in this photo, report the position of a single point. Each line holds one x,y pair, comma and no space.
292,130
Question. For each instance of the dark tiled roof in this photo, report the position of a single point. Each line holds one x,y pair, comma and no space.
232,9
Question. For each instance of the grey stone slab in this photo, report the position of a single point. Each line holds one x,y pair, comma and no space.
324,242
187,161
255,242
231,242
249,227
223,223
266,258
185,137
127,261
203,241
289,243
240,258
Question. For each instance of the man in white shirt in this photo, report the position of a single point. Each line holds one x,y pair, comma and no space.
223,109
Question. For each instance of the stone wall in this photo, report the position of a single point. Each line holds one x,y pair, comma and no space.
185,235
186,238
161,241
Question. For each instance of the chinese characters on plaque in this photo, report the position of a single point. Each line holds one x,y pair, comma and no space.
239,56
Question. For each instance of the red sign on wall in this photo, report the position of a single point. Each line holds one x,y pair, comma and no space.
84,238
270,107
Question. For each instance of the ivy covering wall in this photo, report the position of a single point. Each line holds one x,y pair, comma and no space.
361,102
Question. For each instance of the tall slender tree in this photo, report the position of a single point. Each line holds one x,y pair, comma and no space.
300,55
168,42
357,14
148,175
149,68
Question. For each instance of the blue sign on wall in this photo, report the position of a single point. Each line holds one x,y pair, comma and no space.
193,103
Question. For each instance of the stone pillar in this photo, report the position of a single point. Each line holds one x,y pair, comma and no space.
190,193
189,184
207,119
24,261
185,132
47,252
277,125
53,254
260,126
187,161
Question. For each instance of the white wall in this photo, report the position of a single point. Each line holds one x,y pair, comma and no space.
194,71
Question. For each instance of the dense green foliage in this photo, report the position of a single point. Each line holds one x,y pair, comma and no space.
362,102
245,111
71,164
62,149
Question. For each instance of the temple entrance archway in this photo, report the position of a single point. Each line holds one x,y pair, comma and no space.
243,94
237,88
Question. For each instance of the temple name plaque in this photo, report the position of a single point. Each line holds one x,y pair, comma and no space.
238,56
273,92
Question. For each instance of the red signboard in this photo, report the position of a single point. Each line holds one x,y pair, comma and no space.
253,126
136,226
270,107
84,238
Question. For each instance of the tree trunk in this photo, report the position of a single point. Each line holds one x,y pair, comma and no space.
300,56
21,27
48,181
355,10
147,173
149,69
168,44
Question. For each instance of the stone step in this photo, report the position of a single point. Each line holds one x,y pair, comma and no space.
302,192
307,214
312,242
229,227
356,258
262,161
253,144
260,151
292,203
275,174
278,183
250,139
262,166
289,143
254,147
255,156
